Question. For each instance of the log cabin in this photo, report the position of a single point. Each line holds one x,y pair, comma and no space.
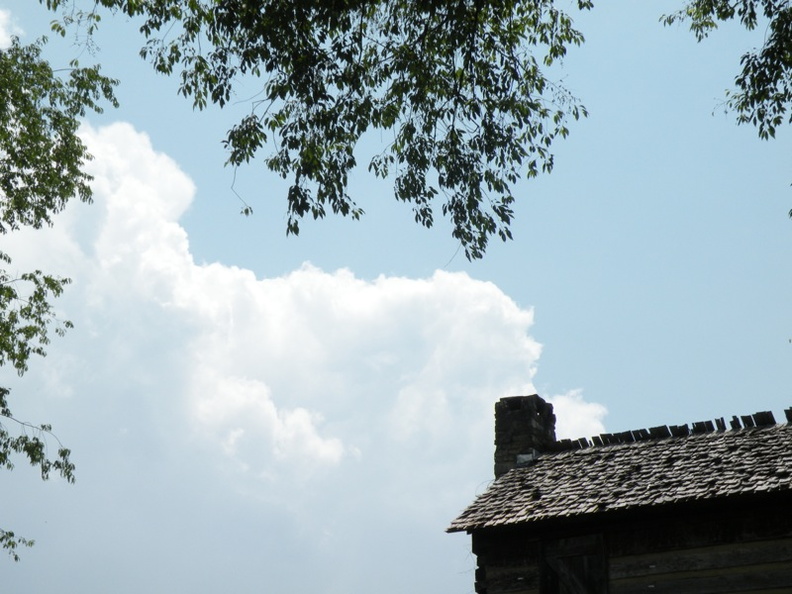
680,509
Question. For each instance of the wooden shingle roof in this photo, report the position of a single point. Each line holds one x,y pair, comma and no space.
647,473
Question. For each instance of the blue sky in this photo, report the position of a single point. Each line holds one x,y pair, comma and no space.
249,410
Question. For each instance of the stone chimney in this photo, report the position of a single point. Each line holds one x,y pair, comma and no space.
524,429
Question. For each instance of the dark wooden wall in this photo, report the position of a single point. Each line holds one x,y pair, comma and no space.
743,549
507,562
698,550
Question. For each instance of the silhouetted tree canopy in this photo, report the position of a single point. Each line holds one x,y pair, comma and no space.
459,87
41,169
763,88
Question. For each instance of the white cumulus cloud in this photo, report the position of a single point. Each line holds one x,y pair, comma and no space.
575,417
356,405
8,28
285,374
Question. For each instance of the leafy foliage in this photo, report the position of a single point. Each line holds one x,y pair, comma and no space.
10,542
764,87
458,86
41,168
763,94
41,156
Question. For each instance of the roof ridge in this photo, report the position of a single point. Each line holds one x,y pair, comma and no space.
760,419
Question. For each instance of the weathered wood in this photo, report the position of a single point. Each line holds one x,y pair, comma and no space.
679,430
624,437
768,522
709,541
507,562
505,548
715,557
574,565
521,590
569,578
588,544
718,581
509,578
764,418
703,427
660,432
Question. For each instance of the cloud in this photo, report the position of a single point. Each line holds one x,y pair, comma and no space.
7,29
575,417
294,373
341,410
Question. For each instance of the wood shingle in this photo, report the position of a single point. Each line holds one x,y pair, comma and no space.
636,474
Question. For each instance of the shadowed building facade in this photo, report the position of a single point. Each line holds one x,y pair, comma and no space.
677,509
